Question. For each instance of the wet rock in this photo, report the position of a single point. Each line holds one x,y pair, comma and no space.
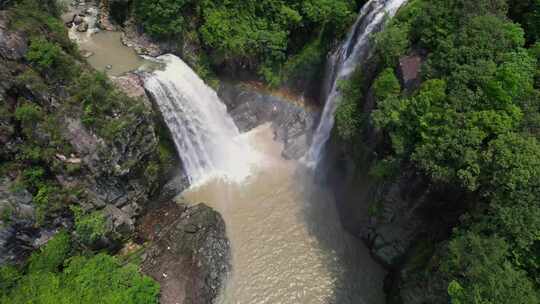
77,19
13,45
83,27
87,54
190,258
250,108
19,234
178,183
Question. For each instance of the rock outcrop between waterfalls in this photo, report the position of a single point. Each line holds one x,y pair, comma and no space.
250,107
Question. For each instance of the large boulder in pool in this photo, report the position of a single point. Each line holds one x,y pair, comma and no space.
190,255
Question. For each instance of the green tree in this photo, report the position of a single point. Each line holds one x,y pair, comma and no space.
480,272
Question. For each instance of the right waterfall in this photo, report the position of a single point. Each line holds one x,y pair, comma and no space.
351,54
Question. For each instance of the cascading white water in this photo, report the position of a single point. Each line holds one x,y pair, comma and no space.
350,55
206,137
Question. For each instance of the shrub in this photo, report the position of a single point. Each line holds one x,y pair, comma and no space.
348,115
89,227
43,54
52,256
386,85
28,113
392,43
85,280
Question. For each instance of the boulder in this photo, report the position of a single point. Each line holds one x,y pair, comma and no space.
82,27
190,256
77,19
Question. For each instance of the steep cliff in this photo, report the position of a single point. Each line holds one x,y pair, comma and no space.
66,141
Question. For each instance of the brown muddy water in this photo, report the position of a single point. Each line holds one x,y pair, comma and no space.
288,246
109,54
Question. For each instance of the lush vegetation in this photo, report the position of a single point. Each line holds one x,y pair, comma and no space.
260,36
474,122
58,274
49,86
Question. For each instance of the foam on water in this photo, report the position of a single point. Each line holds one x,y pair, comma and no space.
205,136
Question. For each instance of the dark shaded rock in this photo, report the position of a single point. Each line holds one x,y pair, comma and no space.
190,257
13,45
78,19
19,234
250,108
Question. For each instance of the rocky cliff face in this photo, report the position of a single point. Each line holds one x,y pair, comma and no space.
115,175
250,107
189,255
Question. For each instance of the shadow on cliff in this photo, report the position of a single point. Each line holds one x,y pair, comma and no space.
358,278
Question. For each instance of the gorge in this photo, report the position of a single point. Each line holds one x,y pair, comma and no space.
269,151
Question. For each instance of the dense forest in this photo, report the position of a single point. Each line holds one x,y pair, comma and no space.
276,40
473,123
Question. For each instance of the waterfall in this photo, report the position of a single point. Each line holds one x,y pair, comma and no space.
341,64
205,136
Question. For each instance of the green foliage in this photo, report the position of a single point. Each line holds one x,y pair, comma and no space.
43,53
51,257
384,169
42,19
28,113
347,119
257,35
527,13
386,85
474,122
90,227
392,43
86,280
348,114
480,272
307,64
9,275
162,18
33,176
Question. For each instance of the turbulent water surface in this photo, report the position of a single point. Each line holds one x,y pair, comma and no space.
287,242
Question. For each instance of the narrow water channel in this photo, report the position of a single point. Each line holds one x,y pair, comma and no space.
287,242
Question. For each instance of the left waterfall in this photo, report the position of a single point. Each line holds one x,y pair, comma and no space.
205,136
